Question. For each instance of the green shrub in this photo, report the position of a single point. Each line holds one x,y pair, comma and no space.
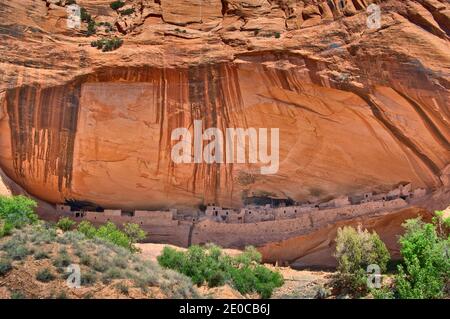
110,233
17,295
91,28
45,275
120,262
40,254
112,273
267,281
16,248
122,288
426,261
96,254
249,256
259,279
17,211
117,4
85,259
62,260
84,15
108,26
88,278
355,250
382,293
100,265
73,237
87,229
127,12
5,228
65,224
209,265
134,232
145,277
41,233
171,258
106,44
5,266
442,224
277,35
17,252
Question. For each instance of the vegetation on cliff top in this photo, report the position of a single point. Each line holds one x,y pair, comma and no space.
117,4
127,12
107,44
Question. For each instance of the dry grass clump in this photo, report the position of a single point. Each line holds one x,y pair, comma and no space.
34,263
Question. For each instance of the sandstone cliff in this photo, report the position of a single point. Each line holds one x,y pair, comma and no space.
358,108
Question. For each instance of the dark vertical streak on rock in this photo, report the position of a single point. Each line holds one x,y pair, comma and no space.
43,125
162,102
216,103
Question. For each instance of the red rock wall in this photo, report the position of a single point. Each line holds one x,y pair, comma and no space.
106,137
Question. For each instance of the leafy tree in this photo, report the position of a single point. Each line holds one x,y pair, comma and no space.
426,262
65,224
109,232
17,211
355,250
442,223
87,229
134,232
